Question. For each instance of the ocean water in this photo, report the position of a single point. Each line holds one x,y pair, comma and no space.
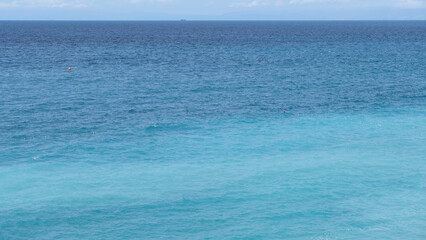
176,130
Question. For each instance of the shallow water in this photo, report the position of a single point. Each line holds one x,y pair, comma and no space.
175,130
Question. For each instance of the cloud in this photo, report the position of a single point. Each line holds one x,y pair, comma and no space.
253,3
318,1
9,4
44,4
401,4
257,3
367,3
149,1
410,3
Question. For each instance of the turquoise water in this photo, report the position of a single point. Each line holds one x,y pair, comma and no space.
167,130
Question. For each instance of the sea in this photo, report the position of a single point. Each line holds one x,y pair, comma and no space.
213,130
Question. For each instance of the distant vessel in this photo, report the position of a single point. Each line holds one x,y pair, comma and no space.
183,20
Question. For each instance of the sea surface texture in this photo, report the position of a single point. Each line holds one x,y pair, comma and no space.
176,130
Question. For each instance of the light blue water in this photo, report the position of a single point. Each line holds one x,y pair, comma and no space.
175,130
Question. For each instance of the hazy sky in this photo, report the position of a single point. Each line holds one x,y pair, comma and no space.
212,9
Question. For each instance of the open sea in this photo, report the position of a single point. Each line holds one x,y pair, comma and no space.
176,130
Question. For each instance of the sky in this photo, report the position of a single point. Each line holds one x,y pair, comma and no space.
213,9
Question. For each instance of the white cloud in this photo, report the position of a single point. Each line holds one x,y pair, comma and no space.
279,3
326,1
253,3
45,4
149,1
368,3
413,4
410,3
257,3
9,4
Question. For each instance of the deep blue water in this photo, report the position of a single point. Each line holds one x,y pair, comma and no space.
175,130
